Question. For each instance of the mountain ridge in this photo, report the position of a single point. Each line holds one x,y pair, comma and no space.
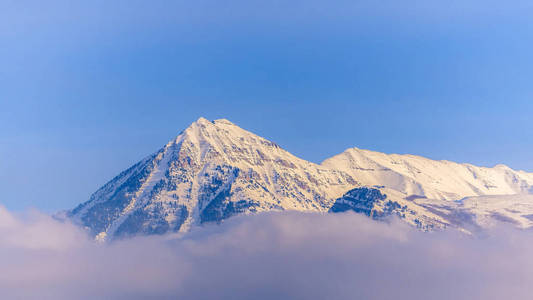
214,169
463,179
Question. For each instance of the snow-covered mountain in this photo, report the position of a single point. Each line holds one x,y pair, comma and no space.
211,171
438,194
214,170
423,177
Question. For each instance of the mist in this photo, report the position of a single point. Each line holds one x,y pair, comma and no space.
265,256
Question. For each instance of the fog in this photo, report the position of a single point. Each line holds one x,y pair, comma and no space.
265,256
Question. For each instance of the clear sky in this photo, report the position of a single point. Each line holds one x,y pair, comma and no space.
88,89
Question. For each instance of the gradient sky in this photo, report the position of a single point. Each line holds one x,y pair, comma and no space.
88,89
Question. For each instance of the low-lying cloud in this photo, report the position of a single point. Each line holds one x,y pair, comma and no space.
266,256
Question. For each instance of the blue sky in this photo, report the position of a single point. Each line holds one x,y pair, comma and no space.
88,89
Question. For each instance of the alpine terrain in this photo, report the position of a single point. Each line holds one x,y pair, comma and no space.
214,170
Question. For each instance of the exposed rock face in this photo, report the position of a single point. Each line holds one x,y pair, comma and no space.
376,204
360,200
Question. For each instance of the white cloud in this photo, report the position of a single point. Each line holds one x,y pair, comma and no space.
286,256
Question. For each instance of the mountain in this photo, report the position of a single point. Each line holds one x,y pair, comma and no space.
215,169
439,194
211,171
423,177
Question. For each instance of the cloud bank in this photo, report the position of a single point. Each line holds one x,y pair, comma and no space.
267,256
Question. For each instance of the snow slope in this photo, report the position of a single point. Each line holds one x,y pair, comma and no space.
215,169
210,172
423,177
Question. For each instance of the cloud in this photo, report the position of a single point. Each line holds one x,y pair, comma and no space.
267,256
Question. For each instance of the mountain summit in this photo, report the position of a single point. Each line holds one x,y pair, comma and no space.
209,172
215,169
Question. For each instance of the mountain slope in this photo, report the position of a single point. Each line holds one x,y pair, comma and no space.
418,177
210,172
215,169
433,194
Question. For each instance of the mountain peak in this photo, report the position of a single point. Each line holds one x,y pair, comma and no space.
211,171
214,127
219,135
223,121
202,120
